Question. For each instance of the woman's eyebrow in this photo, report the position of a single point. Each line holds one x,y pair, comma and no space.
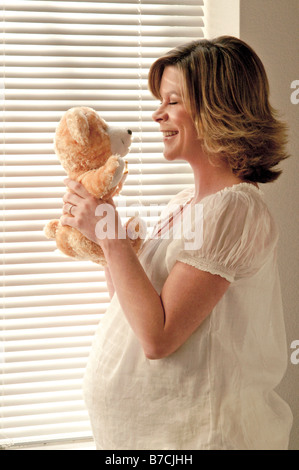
173,92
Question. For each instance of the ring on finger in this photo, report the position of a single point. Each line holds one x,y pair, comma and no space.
70,209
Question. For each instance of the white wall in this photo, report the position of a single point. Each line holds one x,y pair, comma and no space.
271,27
222,17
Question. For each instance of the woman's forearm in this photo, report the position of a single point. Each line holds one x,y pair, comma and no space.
109,282
139,300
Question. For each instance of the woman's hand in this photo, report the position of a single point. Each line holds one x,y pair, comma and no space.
96,219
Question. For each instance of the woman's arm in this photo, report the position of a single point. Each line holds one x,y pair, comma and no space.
162,323
110,285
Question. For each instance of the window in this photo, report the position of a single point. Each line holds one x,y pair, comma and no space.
59,54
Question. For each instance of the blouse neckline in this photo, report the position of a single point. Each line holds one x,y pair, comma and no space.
244,186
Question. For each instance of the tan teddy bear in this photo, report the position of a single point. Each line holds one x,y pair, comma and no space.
91,152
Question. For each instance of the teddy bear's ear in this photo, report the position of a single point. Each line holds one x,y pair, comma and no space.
78,126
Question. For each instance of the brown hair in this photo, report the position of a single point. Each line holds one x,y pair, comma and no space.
226,91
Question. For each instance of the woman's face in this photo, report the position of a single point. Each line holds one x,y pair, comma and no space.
179,133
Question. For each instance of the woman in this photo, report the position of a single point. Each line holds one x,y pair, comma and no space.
193,343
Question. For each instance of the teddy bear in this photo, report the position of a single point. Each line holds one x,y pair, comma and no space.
91,152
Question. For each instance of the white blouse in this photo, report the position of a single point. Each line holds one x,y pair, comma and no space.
217,390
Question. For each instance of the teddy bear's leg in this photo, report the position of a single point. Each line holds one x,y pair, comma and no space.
64,241
55,231
72,243
51,228
136,230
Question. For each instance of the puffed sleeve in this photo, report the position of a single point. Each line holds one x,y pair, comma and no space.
236,234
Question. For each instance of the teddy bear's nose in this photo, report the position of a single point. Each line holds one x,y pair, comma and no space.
129,131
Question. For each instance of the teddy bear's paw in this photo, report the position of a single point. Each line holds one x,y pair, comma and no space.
136,228
118,173
51,228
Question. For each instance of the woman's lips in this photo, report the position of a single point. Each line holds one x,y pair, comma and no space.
169,134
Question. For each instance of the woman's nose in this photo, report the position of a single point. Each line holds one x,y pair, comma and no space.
159,115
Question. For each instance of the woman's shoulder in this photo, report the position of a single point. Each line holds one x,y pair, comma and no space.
235,203
240,191
242,204
239,198
239,232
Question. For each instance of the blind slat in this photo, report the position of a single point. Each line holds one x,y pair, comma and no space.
50,278
25,367
39,421
37,344
116,6
41,398
91,40
15,411
46,289
55,299
47,311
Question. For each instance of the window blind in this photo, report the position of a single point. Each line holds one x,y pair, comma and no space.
55,55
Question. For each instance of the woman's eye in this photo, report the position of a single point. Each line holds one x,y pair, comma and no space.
169,103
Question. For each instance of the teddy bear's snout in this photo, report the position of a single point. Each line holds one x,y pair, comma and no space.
120,139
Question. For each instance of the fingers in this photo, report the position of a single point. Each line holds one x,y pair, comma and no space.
68,220
83,212
69,209
72,198
77,188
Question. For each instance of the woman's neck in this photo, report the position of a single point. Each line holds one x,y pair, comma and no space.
209,178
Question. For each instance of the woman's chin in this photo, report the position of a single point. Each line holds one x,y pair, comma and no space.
170,156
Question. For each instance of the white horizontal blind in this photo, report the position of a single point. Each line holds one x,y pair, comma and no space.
59,54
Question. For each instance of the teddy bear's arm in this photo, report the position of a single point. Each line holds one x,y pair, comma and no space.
117,189
100,181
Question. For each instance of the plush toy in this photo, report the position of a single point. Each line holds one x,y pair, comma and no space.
91,152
